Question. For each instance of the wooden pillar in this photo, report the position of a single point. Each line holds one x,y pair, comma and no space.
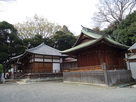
34,63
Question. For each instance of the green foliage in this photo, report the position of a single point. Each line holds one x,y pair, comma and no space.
1,68
126,30
35,41
63,40
10,43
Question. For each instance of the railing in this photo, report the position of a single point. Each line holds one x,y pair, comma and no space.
41,75
87,68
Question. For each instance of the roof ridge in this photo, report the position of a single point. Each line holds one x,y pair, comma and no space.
42,44
132,47
51,47
35,47
95,32
86,44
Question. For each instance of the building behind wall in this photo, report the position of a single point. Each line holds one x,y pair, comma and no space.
93,50
40,59
131,59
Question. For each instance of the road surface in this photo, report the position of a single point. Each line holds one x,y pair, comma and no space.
55,91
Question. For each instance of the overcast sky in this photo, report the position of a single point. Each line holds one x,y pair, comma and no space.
72,13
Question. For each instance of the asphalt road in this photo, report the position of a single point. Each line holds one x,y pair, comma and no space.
64,92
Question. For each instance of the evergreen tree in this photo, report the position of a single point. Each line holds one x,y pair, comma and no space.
1,68
10,44
126,30
64,39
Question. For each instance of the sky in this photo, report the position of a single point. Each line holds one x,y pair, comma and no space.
72,13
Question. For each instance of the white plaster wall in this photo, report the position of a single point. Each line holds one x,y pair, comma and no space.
56,67
133,69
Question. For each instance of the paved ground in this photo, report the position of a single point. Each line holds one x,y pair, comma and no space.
53,91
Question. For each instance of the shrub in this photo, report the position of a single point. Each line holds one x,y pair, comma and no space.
1,68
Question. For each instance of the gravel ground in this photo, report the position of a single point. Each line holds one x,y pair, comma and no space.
55,91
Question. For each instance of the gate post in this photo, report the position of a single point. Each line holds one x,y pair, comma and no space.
105,74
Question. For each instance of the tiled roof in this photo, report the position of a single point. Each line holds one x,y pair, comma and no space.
133,47
92,33
16,57
70,59
79,46
98,37
44,50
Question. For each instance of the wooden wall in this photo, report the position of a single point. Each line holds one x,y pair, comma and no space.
84,38
99,54
39,63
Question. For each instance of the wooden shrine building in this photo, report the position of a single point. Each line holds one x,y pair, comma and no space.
40,59
131,60
94,48
96,52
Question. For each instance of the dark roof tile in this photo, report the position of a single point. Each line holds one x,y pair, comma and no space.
44,50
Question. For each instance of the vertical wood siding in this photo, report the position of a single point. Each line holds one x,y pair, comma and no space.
34,63
99,54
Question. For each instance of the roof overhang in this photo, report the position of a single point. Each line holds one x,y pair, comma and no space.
94,43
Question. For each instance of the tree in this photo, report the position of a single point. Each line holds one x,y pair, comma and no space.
36,26
1,68
66,30
10,43
63,39
96,29
113,11
126,30
35,41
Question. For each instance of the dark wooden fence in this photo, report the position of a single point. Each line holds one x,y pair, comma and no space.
85,76
110,77
119,76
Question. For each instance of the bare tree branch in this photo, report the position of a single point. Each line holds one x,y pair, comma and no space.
37,26
114,10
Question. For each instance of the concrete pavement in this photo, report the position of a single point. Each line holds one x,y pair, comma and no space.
56,91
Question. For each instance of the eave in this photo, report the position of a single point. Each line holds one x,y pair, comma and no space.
91,43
